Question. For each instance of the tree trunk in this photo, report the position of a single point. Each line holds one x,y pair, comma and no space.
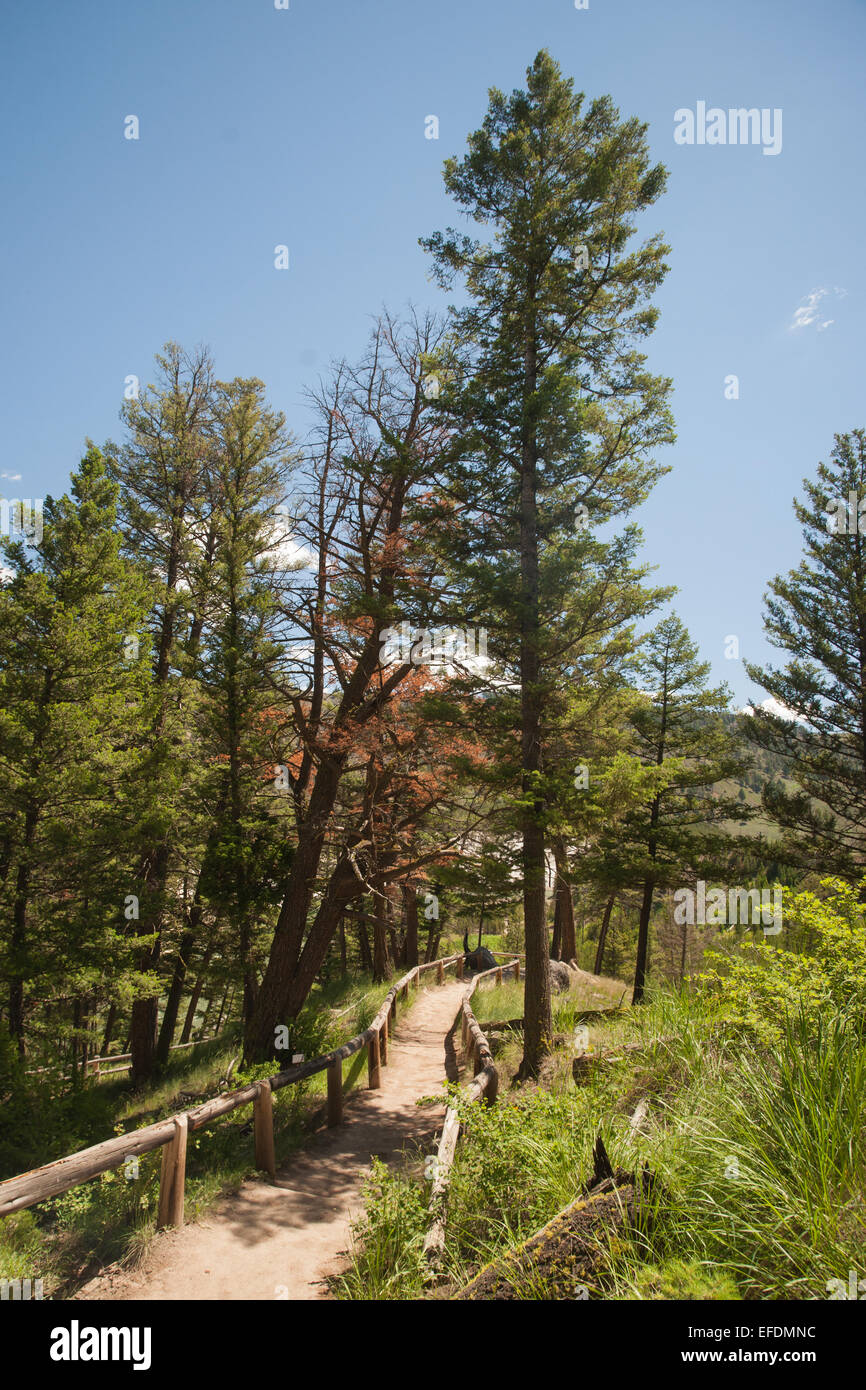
640,968
172,1003
565,906
569,938
381,962
271,1003
110,1021
222,1010
364,945
538,1018
202,1030
602,936
556,943
18,935
194,997
410,903
76,1015
145,1012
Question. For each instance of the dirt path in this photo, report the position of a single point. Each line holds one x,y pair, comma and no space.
282,1240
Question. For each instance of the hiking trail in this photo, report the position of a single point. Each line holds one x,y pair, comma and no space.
284,1239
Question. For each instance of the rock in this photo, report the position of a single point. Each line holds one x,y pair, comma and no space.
480,959
560,976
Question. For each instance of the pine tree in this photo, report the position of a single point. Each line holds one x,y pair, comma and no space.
162,472
817,615
250,851
680,726
554,414
73,698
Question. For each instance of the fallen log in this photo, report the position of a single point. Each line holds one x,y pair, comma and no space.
569,1252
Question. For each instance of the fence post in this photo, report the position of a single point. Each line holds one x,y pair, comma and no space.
517,970
440,973
335,1092
263,1120
172,1176
404,993
383,1042
460,968
374,1074
492,1088
499,976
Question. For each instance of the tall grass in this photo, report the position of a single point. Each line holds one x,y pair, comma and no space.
767,1162
760,1152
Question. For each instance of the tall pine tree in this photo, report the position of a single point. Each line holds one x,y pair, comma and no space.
553,411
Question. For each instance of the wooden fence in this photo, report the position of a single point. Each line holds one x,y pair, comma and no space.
485,1086
170,1134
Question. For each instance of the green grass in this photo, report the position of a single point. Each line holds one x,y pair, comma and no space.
760,1149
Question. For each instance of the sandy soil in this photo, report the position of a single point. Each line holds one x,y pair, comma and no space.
281,1240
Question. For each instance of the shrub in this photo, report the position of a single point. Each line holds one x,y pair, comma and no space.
761,983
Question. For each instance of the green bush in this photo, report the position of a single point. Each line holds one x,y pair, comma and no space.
760,983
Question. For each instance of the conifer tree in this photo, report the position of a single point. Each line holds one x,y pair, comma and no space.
73,698
679,728
555,417
162,472
816,615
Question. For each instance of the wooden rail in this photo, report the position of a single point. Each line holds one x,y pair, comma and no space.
94,1064
171,1134
485,1086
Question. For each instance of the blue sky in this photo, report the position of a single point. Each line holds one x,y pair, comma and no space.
306,127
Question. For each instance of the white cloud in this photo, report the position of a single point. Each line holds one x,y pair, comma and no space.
6,574
12,477
283,553
774,706
809,312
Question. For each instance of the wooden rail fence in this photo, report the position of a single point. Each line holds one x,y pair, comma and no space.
171,1134
485,1086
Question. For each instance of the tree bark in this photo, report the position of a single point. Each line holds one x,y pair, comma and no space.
640,969
222,1010
186,1032
538,1029
364,945
145,1012
381,962
602,935
556,943
565,906
410,902
172,1003
110,1021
